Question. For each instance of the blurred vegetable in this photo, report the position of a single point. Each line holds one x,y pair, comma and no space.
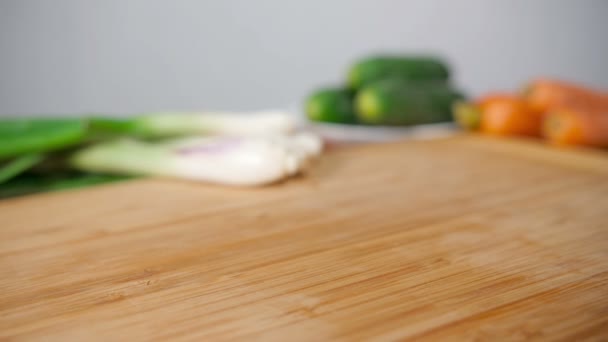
30,183
388,90
18,165
411,68
221,159
576,126
490,98
331,105
34,152
25,136
544,95
160,125
504,115
444,97
395,102
468,114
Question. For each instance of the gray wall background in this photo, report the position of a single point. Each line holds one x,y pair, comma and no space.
120,56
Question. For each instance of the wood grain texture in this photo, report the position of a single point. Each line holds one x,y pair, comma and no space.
463,239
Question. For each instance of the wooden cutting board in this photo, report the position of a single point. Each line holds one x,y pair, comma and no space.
464,238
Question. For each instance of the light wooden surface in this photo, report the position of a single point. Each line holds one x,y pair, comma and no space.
463,239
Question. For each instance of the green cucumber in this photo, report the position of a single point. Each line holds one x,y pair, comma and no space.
444,97
394,102
413,68
331,105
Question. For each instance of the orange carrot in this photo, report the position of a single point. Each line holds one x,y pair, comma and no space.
468,114
576,126
509,115
483,101
544,95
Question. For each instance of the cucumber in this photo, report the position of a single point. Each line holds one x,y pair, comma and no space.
395,102
444,97
331,105
414,68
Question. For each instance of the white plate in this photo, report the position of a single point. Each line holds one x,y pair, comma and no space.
335,132
363,133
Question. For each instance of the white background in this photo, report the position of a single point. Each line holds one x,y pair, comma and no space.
121,56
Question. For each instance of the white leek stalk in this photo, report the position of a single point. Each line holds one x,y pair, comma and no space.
231,160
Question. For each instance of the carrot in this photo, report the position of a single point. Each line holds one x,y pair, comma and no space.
509,115
468,114
543,95
487,99
576,126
